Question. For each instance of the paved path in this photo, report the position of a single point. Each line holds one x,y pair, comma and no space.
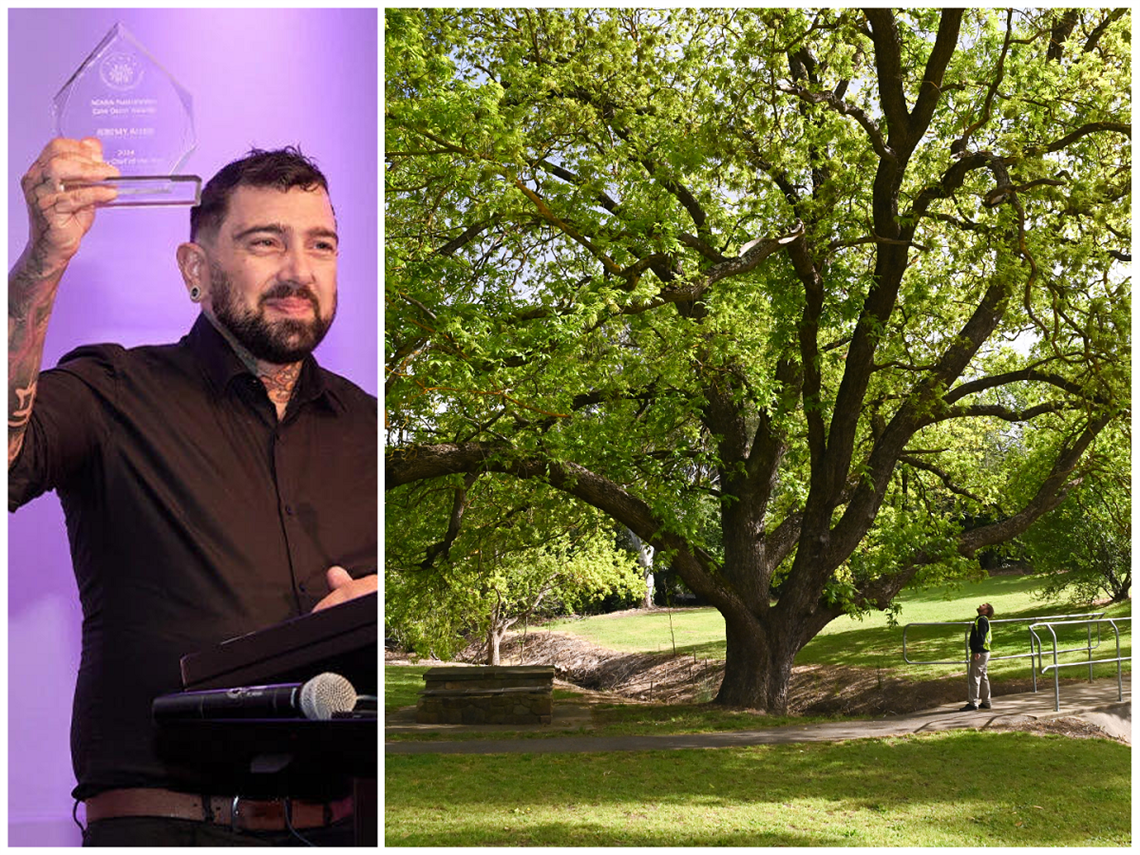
1095,702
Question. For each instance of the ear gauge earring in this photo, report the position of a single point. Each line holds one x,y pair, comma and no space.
196,294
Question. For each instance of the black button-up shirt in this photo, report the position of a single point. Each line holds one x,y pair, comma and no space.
194,516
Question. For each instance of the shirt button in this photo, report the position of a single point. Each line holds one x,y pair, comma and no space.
289,510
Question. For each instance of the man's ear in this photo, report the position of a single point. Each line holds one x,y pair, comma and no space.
195,269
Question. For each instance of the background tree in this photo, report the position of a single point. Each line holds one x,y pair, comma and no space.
1085,545
643,554
780,267
506,554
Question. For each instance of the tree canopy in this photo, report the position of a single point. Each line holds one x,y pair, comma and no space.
813,274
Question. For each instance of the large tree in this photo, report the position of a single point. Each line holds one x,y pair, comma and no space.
797,271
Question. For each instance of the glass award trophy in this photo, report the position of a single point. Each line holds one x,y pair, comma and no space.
141,115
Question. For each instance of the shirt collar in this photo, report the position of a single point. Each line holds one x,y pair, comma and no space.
222,365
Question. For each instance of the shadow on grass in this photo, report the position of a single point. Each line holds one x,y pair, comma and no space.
619,719
948,789
711,650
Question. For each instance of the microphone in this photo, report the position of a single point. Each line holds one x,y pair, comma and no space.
320,698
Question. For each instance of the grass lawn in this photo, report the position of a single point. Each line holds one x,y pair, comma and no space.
947,789
959,788
402,684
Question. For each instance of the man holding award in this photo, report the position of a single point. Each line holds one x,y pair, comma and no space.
211,487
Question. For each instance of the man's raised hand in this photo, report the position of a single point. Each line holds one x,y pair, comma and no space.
59,217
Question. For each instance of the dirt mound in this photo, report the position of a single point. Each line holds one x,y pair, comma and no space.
1072,726
633,676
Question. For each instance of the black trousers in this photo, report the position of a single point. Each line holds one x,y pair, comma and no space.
158,831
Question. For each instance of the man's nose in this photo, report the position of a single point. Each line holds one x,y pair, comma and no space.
297,267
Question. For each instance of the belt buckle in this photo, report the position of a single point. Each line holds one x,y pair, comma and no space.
236,814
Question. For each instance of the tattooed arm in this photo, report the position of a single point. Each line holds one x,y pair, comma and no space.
58,218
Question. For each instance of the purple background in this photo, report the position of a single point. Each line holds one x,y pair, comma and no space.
259,77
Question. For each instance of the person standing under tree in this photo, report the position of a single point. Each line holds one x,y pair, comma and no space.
980,638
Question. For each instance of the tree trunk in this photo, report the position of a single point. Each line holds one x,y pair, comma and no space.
496,630
645,561
758,665
494,641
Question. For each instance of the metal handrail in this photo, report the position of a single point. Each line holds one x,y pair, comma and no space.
1090,615
966,641
1057,666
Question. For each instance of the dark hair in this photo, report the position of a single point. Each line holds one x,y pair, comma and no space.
283,168
990,609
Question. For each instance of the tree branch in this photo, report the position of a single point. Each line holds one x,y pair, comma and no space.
888,64
469,234
943,476
680,191
1082,131
1004,413
602,198
844,109
1049,495
930,90
880,591
1098,31
959,145
703,248
1025,375
809,356
919,409
1060,33
454,524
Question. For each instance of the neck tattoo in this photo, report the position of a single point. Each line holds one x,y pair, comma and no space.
279,380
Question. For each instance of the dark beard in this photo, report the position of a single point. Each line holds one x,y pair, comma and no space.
281,342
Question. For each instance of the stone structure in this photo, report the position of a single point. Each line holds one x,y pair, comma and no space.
492,695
